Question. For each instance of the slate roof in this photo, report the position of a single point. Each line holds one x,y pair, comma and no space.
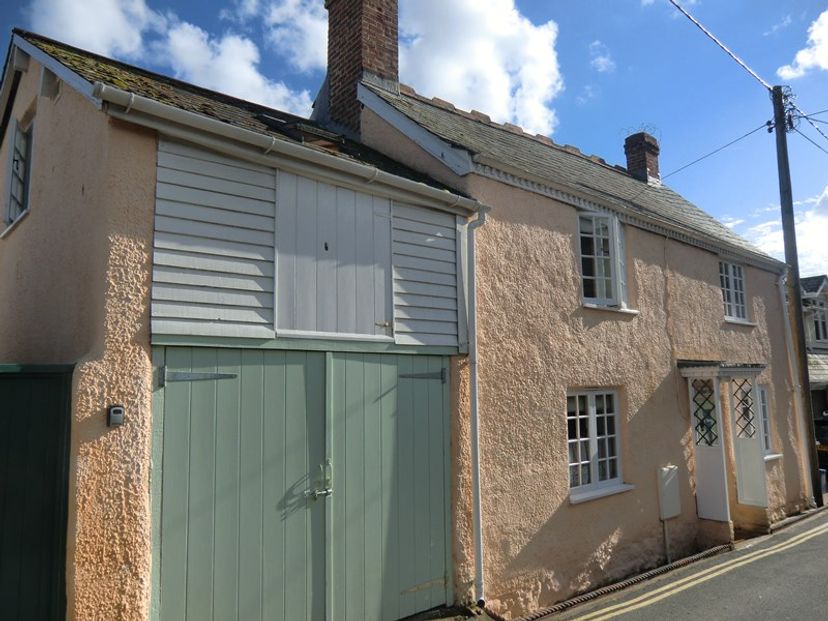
566,166
811,284
238,112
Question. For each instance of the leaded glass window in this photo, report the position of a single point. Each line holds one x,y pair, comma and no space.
592,438
705,423
743,407
732,280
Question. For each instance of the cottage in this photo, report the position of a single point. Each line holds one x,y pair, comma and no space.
631,390
360,366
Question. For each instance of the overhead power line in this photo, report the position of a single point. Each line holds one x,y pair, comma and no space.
810,122
727,51
715,151
813,142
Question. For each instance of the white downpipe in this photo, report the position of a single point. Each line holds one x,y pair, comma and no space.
477,510
804,461
268,145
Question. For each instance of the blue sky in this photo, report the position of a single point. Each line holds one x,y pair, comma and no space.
587,72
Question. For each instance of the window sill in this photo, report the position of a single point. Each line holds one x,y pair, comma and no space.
335,336
740,322
773,456
14,224
611,309
577,497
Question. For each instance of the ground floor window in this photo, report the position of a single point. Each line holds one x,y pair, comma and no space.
592,436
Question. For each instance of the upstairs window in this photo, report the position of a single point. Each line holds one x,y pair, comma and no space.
732,279
602,260
20,156
821,322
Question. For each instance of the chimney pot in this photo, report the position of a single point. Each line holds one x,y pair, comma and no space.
642,152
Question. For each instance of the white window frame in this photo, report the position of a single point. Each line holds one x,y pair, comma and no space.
15,128
595,488
617,296
820,310
764,419
732,282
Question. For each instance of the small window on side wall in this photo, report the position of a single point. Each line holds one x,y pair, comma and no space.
603,281
19,174
732,280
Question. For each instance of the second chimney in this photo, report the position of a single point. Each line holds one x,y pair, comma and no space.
642,152
362,45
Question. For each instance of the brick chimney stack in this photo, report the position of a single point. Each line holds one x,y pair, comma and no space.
362,45
642,157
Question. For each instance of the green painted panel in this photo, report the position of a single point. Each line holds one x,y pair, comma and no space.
239,537
251,468
34,433
389,546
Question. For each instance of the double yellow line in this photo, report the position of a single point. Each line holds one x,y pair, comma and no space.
668,590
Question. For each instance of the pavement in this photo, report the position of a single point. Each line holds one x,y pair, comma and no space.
783,576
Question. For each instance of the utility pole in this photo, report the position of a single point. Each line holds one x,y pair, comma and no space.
781,122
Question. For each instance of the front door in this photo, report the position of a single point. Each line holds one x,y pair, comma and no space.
751,486
706,428
301,485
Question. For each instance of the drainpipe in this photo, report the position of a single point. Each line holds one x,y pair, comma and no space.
477,511
797,390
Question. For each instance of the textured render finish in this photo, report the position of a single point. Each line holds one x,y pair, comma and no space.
536,342
74,280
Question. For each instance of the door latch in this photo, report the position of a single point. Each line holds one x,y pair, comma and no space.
324,490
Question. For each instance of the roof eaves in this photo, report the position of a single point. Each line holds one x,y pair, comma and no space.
586,197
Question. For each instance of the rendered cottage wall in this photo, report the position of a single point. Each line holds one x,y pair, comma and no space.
536,341
74,280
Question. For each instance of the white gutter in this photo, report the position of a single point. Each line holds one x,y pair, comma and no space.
804,461
274,147
477,510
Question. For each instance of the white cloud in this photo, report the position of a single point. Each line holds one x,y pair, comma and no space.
811,225
242,10
787,21
601,59
813,56
132,30
108,27
731,222
298,29
228,64
482,54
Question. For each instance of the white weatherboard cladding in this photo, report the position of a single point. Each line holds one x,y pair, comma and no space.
213,261
333,261
425,269
242,250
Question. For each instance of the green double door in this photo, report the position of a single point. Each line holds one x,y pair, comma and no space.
300,485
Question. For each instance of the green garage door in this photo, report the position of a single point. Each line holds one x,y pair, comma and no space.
301,485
